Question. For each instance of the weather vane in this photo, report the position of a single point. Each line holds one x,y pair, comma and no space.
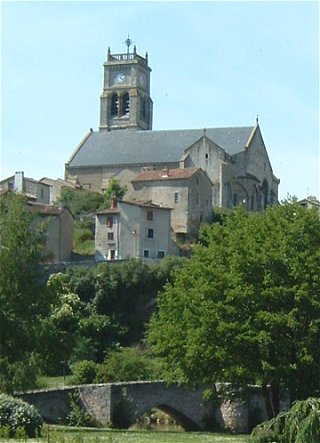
128,43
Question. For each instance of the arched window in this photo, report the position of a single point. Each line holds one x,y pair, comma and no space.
235,199
125,104
114,105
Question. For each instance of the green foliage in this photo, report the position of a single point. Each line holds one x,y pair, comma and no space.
58,331
23,295
18,418
83,237
116,301
245,308
114,189
84,372
300,425
128,364
78,416
80,201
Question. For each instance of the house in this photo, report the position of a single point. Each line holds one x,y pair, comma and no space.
32,189
310,202
234,158
56,186
59,230
188,191
133,229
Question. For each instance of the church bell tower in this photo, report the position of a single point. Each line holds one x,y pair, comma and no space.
125,102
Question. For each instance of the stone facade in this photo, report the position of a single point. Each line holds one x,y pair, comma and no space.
132,229
56,186
188,191
59,230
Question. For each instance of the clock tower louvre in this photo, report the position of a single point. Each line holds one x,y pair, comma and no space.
125,102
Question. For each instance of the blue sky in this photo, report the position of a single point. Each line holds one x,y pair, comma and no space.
214,64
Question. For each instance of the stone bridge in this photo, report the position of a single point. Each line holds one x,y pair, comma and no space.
121,404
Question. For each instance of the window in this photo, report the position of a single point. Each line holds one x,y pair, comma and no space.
146,253
125,104
176,197
149,215
114,105
109,221
110,236
161,254
42,193
207,156
235,199
150,233
112,254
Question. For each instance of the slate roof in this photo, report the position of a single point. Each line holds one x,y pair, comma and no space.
122,147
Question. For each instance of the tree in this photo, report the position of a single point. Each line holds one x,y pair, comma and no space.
114,189
23,295
246,307
80,201
58,331
128,364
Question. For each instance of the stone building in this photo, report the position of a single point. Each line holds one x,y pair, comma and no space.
234,158
187,191
129,229
32,189
59,230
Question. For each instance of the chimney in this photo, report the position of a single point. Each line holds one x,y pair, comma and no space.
165,172
18,181
113,202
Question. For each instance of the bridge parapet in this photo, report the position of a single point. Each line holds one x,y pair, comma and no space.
121,404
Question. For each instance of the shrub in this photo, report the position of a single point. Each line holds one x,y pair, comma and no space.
300,425
17,416
84,372
78,416
128,364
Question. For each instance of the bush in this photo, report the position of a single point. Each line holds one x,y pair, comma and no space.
84,372
300,425
128,364
17,416
78,415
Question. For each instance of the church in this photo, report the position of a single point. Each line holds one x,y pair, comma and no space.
234,159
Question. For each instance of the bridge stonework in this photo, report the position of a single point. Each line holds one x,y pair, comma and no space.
121,404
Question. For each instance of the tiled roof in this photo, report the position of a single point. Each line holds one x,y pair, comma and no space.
166,174
127,146
46,209
140,203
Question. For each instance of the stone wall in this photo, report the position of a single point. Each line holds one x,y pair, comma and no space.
121,404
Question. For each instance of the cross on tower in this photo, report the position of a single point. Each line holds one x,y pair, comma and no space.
128,43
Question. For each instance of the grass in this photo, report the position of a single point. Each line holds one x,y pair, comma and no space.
45,382
83,238
85,435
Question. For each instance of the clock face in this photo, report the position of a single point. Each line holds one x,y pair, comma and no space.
120,78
